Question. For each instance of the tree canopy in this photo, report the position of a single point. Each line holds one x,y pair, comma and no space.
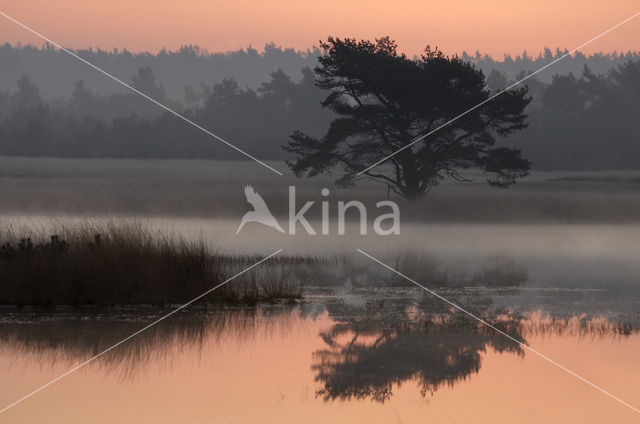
384,101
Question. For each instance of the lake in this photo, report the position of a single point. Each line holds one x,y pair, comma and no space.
552,263
366,355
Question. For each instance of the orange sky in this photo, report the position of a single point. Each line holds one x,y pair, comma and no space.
492,26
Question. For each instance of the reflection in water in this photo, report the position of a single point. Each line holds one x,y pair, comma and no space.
372,359
73,338
367,355
368,349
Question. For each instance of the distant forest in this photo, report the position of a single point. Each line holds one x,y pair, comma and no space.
584,113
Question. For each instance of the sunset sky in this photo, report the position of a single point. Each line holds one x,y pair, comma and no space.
492,26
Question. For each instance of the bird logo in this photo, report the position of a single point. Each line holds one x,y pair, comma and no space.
260,212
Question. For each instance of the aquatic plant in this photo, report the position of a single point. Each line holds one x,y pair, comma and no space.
126,263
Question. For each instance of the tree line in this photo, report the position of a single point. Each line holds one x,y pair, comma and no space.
91,125
585,120
55,73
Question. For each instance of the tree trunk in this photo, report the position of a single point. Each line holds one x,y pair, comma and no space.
410,174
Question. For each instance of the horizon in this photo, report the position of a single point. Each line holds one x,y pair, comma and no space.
203,52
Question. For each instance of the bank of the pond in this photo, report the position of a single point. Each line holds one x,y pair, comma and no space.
126,264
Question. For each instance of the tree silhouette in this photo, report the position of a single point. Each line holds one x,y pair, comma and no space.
145,81
384,101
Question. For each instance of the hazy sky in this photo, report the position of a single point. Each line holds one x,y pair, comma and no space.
492,26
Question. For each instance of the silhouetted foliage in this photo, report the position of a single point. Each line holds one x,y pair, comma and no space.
385,101
586,122
56,73
128,125
511,67
577,121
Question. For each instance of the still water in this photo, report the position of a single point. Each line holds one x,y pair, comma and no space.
389,354
361,347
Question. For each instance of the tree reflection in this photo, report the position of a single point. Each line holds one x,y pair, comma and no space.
369,353
372,344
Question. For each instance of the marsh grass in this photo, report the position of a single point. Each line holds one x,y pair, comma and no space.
125,263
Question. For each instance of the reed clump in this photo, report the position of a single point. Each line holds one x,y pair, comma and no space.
127,264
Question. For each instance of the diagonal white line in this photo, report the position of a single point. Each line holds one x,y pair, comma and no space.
77,367
562,367
173,112
422,137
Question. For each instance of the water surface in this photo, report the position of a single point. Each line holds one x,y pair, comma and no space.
389,354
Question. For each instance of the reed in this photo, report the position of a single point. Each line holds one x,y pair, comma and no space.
123,263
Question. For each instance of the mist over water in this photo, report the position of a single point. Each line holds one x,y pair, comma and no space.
552,261
567,229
